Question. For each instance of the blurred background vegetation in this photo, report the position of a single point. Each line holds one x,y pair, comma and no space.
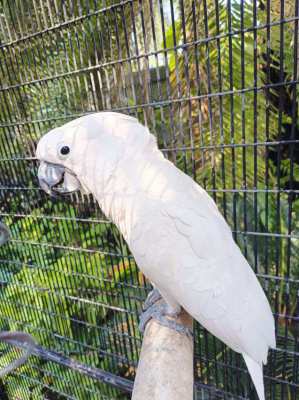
217,83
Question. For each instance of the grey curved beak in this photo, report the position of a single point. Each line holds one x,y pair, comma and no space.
54,179
49,175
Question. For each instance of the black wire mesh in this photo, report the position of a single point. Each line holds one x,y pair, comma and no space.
217,82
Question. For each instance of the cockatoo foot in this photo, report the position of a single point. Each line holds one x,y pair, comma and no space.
152,298
164,316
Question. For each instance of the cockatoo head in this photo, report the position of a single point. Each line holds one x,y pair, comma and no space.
76,154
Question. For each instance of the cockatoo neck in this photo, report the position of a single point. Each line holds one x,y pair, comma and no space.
117,185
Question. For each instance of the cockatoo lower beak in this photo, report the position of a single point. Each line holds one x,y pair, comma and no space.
55,179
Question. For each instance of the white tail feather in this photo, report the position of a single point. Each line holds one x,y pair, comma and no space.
256,373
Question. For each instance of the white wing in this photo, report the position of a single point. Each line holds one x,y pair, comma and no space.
184,246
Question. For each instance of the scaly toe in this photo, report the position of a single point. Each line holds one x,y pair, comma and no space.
152,298
160,312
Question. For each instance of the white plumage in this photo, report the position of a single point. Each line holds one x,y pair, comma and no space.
173,227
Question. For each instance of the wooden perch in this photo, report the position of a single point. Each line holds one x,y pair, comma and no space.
165,369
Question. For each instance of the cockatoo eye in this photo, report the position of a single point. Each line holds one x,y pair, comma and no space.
63,151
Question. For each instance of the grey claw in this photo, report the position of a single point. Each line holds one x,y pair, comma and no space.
152,298
159,313
171,324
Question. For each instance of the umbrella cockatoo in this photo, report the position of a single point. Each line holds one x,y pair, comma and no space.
174,229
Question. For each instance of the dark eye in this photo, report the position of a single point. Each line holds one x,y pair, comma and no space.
64,150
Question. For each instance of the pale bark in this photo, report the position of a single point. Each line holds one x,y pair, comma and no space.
165,369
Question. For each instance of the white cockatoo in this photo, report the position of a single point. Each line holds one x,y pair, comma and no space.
173,227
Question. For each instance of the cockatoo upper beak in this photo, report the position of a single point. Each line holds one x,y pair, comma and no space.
55,179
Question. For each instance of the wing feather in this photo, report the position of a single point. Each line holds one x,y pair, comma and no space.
187,250
217,285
